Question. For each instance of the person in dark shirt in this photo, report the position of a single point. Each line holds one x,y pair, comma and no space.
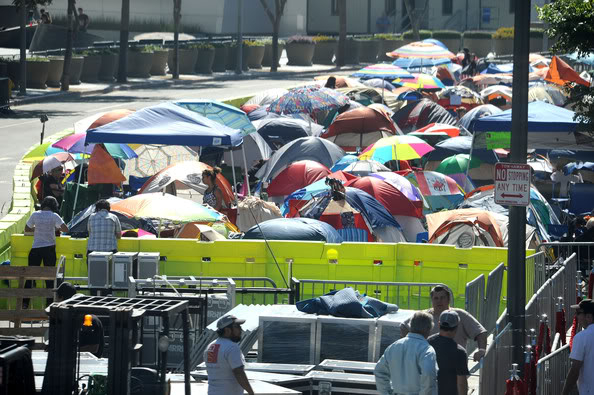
90,338
452,360
52,184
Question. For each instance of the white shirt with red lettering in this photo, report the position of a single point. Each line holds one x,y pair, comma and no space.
221,357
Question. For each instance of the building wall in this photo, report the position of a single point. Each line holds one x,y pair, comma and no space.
255,20
321,19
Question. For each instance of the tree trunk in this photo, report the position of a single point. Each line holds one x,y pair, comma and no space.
279,8
176,18
342,11
124,31
415,15
68,55
23,47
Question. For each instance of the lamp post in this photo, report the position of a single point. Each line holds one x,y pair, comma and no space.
43,118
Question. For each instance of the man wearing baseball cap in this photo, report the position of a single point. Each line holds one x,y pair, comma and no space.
224,360
582,352
452,359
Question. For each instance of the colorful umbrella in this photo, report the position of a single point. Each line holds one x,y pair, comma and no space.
363,168
220,112
309,100
401,183
343,162
383,71
420,81
100,119
419,49
396,148
450,130
75,143
167,207
440,191
419,63
297,175
455,96
51,162
390,197
457,164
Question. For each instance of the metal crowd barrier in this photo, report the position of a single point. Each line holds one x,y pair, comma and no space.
535,278
493,298
475,297
551,371
557,250
406,295
497,361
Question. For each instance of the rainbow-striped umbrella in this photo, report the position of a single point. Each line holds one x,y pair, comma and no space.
420,81
396,148
382,70
421,50
308,100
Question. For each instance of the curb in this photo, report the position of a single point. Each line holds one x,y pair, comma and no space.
156,83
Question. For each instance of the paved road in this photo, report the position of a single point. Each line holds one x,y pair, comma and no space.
20,131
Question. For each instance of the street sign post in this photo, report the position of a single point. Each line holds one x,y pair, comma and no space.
512,184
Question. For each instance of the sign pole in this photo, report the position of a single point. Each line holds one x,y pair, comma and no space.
516,255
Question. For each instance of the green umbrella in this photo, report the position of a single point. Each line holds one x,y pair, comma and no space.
457,164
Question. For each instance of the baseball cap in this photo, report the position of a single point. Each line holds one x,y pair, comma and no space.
449,319
227,320
587,305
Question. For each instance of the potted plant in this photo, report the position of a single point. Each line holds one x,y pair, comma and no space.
503,41
91,66
368,49
187,57
219,63
536,39
108,64
206,54
268,52
54,74
300,50
256,50
478,42
37,70
324,50
159,61
140,61
388,43
450,38
408,36
13,69
76,67
351,55
232,57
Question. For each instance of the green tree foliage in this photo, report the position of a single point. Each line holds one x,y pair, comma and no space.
571,23
32,3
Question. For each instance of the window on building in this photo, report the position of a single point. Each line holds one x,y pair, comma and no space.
390,7
334,8
512,6
447,7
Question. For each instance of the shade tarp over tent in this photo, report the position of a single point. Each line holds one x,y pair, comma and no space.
549,127
305,229
166,123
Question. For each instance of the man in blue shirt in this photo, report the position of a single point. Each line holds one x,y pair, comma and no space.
408,366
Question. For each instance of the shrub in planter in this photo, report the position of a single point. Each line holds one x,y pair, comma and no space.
91,66
268,52
108,64
478,42
219,63
387,43
408,36
503,41
206,53
232,57
450,38
255,53
13,69
324,50
37,70
300,50
140,61
76,66
187,58
368,49
54,74
159,63
536,40
352,51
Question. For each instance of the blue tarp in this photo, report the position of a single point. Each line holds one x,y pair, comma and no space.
304,229
502,68
168,124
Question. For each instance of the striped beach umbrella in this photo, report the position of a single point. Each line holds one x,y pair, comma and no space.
383,71
419,49
420,81
396,148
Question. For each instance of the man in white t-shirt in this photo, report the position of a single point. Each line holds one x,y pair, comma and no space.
582,352
224,360
564,180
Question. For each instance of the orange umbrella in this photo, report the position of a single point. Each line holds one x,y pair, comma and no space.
561,73
100,119
103,169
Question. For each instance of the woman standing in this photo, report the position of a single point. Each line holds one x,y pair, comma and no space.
44,224
213,196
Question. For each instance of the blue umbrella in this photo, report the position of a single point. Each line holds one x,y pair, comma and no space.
305,229
436,42
220,112
413,63
343,162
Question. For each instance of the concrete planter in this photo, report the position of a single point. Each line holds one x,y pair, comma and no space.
479,46
255,56
13,70
387,46
220,59
90,70
268,54
205,60
139,64
37,71
108,67
186,58
352,52
504,46
76,67
159,62
300,54
536,44
368,51
324,52
56,68
453,44
232,58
